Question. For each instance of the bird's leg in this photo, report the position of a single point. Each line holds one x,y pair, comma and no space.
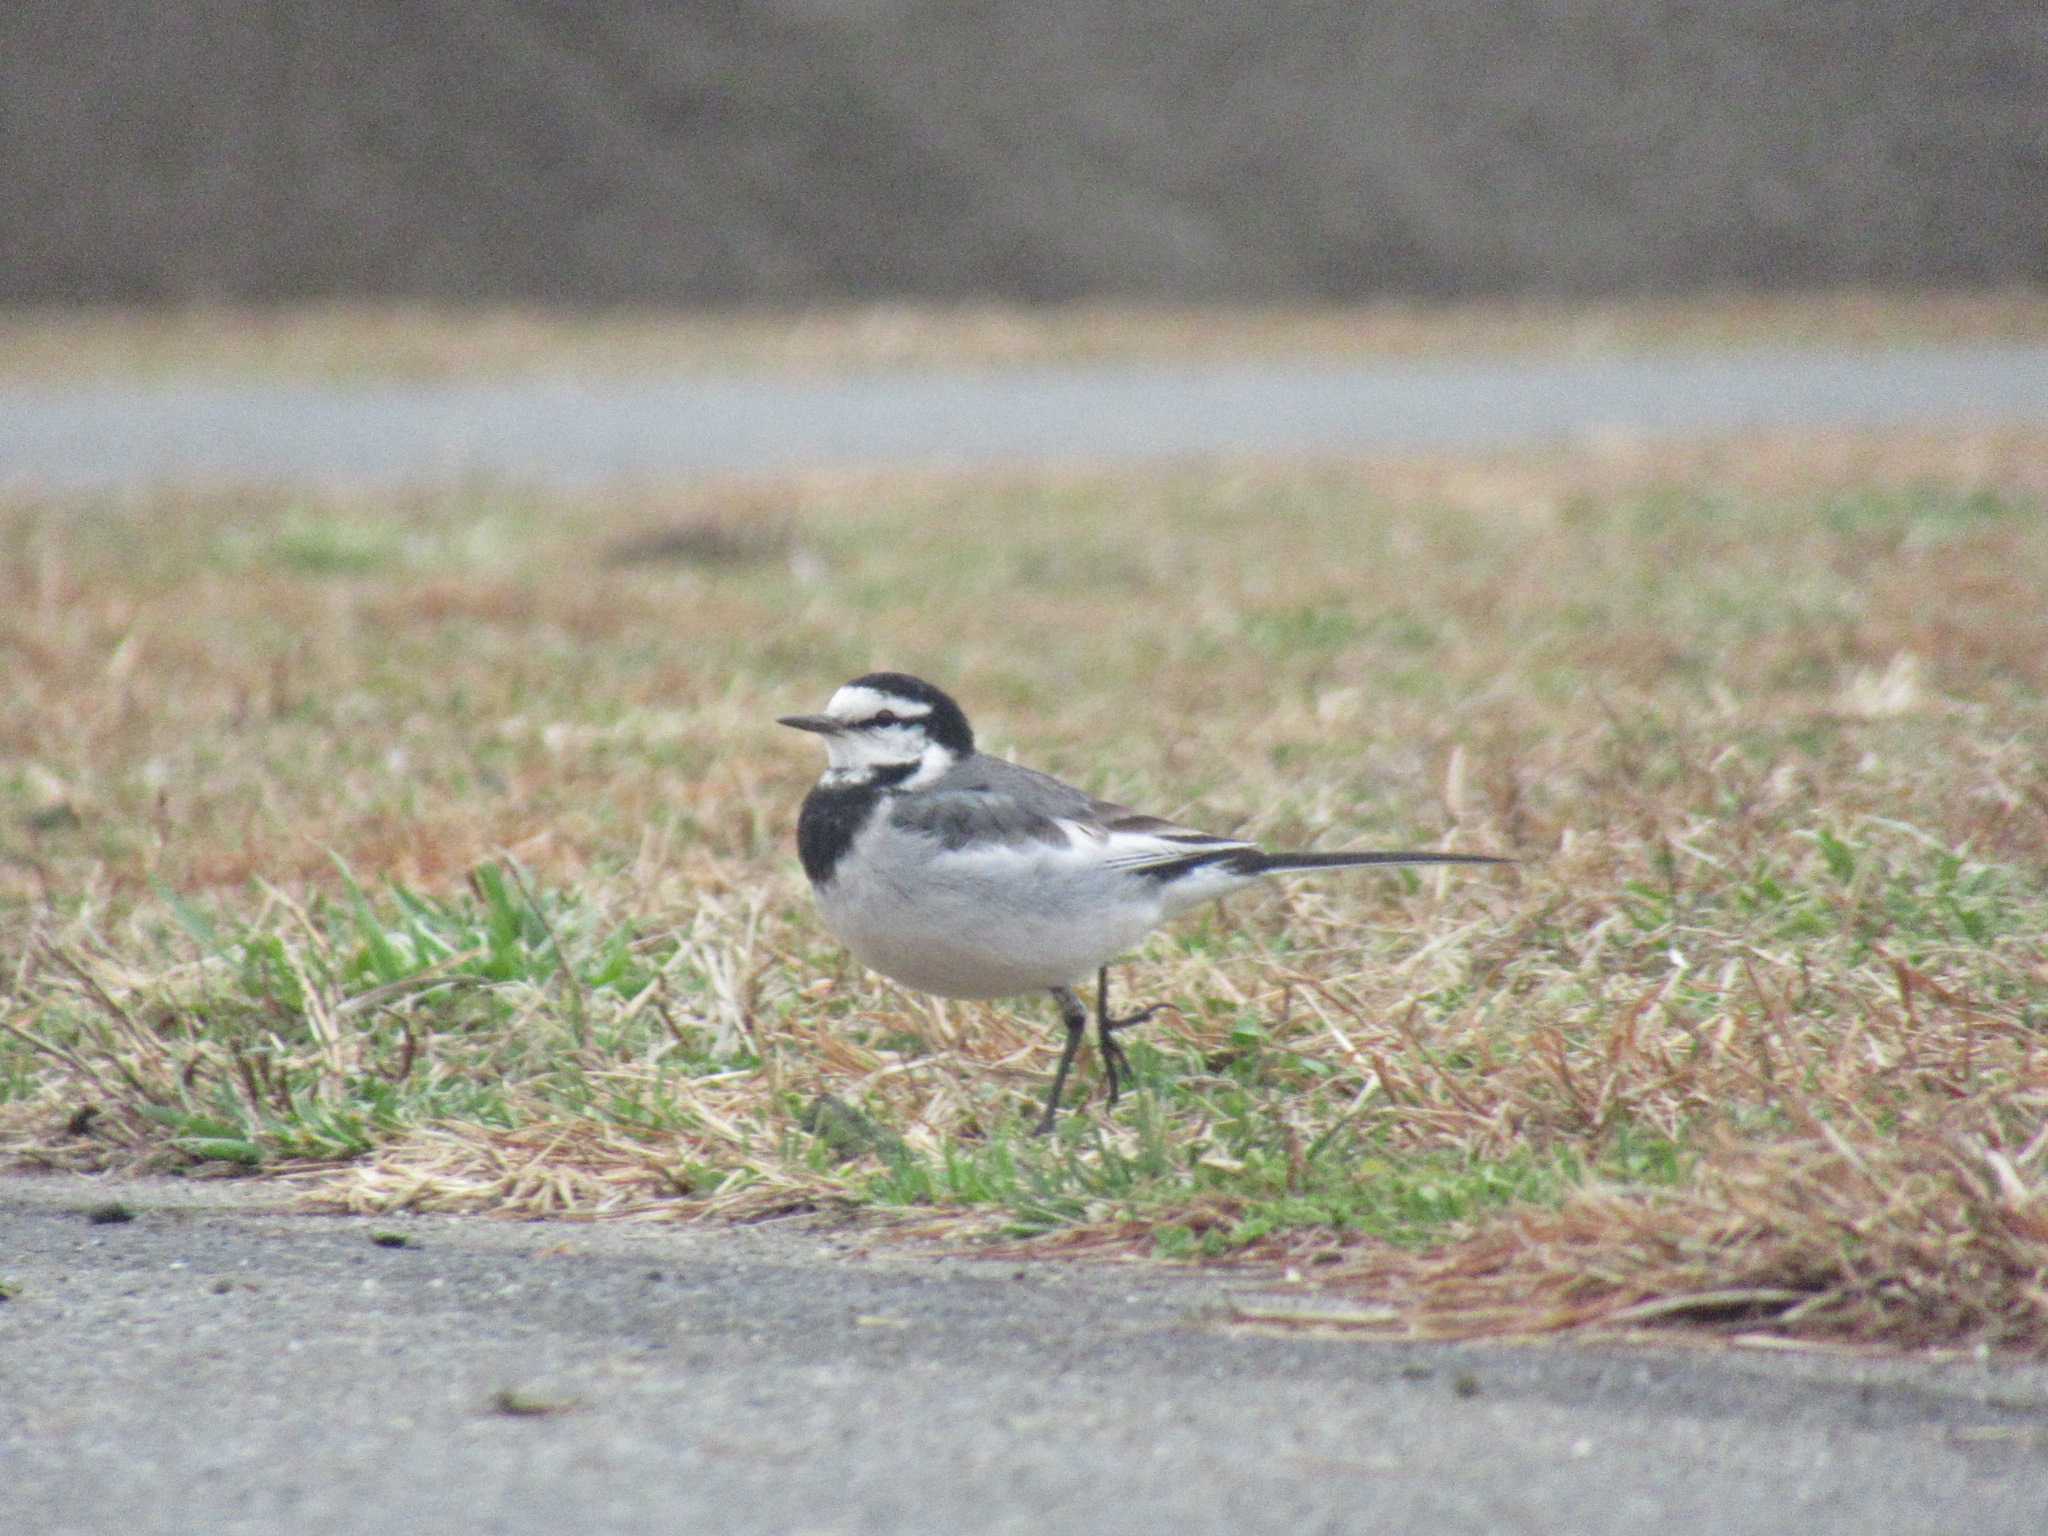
1115,1064
1073,1014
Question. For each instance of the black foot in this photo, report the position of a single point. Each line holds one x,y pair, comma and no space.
1074,1015
1116,1066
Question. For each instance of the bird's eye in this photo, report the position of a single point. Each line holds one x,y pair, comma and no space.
887,717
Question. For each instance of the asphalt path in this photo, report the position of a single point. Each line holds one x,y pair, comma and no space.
217,1365
592,432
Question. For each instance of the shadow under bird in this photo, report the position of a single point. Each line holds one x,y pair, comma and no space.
968,876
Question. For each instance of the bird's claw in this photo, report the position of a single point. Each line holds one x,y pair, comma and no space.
1116,1063
1139,1017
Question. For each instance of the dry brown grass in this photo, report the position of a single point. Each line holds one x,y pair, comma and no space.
345,341
1754,1038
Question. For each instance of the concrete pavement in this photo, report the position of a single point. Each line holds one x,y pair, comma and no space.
219,1364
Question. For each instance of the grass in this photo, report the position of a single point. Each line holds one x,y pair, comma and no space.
435,852
351,342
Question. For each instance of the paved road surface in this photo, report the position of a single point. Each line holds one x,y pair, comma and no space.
214,1366
568,433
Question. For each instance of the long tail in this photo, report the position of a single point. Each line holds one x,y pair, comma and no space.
1254,862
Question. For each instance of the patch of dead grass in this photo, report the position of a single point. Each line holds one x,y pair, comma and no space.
350,341
1764,719
1919,1237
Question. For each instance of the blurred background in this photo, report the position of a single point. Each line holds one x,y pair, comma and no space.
779,152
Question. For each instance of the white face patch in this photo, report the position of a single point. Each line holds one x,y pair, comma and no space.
868,745
855,703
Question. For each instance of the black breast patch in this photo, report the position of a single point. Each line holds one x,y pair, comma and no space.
831,818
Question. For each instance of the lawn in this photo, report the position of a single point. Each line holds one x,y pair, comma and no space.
435,851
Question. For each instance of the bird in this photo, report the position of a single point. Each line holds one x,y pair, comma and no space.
969,876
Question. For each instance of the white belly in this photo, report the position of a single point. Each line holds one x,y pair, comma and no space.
980,928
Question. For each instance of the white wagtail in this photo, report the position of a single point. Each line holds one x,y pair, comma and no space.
968,876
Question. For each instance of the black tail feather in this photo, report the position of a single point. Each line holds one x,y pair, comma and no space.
1254,862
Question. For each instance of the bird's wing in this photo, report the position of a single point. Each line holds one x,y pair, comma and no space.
977,816
996,803
1134,841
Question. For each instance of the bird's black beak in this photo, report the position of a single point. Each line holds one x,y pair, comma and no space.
824,725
